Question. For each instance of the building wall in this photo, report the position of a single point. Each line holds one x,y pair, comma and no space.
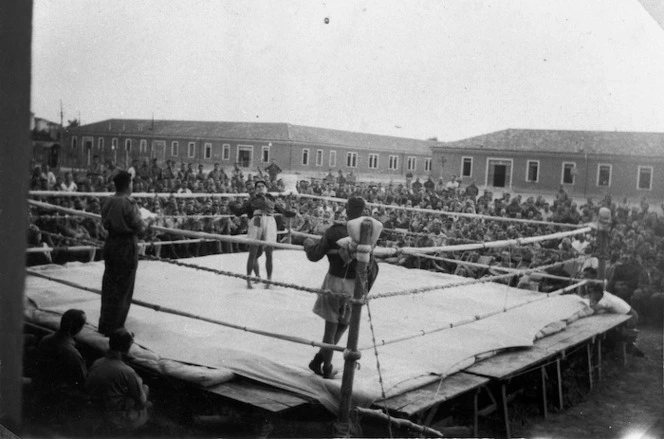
288,155
622,176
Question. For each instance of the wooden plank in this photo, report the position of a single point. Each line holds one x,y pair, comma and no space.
506,364
511,363
425,397
267,398
581,330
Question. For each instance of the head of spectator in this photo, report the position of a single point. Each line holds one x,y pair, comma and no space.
120,341
122,182
72,322
260,186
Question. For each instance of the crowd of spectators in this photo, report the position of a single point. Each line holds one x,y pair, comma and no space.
407,209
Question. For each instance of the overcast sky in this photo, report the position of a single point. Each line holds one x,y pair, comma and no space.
445,68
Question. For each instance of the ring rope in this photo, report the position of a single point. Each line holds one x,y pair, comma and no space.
485,279
141,194
316,197
500,268
447,213
72,248
380,374
168,310
422,332
379,251
253,278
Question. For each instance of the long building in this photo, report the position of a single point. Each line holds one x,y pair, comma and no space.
584,163
305,150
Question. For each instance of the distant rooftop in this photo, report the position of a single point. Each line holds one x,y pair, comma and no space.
563,141
261,131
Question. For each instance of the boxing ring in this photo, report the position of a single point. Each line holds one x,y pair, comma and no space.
194,322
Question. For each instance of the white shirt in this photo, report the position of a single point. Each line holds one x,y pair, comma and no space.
71,188
580,246
612,304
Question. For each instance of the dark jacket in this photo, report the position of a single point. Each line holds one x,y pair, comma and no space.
317,250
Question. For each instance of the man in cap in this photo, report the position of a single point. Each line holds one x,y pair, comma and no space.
121,218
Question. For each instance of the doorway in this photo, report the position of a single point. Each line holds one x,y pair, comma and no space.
499,173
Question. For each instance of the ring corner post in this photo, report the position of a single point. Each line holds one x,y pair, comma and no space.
351,355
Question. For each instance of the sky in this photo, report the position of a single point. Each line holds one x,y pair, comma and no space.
449,69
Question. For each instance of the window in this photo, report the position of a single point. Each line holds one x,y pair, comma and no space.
466,166
74,142
333,159
143,148
411,163
226,152
373,161
351,160
319,157
427,164
114,143
569,171
128,143
644,178
175,146
604,175
265,154
305,157
393,163
100,144
191,149
208,150
532,171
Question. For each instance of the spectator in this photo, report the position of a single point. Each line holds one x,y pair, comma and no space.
50,178
68,185
273,170
60,371
115,389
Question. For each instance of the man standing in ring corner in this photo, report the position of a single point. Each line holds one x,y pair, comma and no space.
340,279
121,217
260,208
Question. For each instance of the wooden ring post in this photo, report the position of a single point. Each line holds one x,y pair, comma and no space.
354,332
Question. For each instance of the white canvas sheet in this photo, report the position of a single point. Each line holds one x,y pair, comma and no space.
404,365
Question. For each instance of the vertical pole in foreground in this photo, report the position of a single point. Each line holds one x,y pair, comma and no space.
16,147
351,355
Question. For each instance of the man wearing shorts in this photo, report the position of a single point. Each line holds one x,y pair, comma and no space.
260,209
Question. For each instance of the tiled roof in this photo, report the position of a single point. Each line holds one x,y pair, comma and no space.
560,141
260,131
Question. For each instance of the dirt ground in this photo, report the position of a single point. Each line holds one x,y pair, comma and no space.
627,403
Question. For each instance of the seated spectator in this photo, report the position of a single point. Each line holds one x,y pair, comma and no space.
60,371
115,389
604,302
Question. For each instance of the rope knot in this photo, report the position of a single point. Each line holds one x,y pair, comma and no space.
352,355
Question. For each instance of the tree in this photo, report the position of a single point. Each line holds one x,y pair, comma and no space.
433,139
73,123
